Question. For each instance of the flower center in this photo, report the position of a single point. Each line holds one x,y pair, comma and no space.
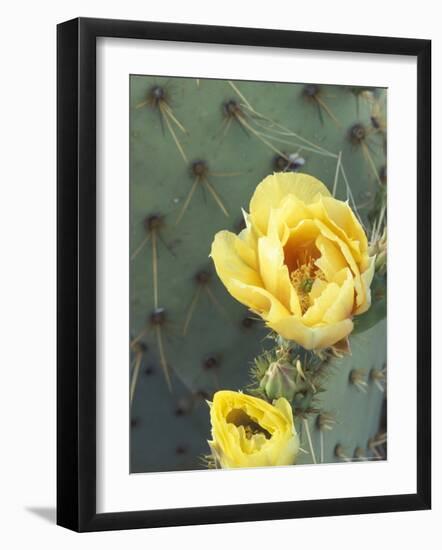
303,278
238,417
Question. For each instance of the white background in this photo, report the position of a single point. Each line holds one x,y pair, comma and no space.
27,300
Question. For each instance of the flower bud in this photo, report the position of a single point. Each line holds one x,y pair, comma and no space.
249,432
279,381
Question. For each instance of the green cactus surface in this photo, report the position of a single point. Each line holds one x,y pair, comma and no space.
185,137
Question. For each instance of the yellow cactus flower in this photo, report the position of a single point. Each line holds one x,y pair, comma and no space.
249,432
302,262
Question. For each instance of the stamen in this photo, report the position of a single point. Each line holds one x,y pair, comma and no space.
238,417
303,279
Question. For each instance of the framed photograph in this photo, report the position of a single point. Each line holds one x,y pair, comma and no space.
243,274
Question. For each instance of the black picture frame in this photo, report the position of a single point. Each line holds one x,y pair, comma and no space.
76,273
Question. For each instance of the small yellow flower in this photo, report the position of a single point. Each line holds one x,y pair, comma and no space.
302,262
249,432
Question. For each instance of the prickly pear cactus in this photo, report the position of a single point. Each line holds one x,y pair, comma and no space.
198,149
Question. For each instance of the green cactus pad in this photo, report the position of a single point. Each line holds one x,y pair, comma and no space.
212,348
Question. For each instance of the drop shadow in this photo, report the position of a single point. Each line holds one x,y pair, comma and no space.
45,512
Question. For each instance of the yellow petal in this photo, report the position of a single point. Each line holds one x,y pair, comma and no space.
232,259
245,246
335,303
317,289
284,408
232,255
310,338
342,307
243,282
316,312
339,217
288,215
273,308
345,250
275,274
367,278
273,189
331,260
